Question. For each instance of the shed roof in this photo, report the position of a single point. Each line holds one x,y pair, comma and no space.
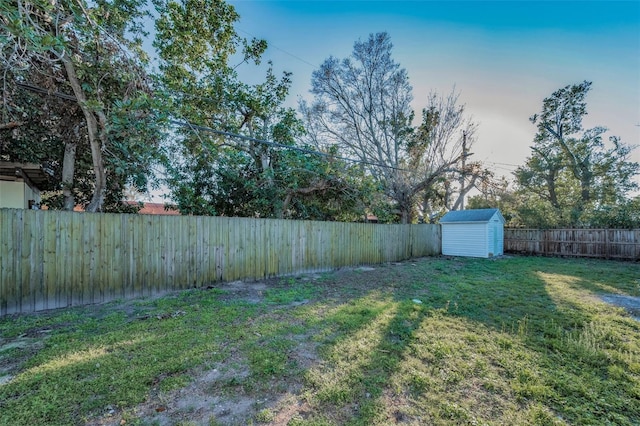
33,172
476,216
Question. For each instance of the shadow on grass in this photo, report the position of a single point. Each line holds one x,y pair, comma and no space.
106,360
512,341
583,353
362,344
545,350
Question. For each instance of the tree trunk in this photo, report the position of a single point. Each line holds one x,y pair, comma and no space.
586,179
464,190
405,216
93,133
404,207
68,170
284,207
551,186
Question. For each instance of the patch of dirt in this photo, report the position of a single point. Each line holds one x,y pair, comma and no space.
288,408
630,303
199,403
204,402
15,351
365,269
223,394
251,292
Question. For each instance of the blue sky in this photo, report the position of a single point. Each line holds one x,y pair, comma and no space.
504,57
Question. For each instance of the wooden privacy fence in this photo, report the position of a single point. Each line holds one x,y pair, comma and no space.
52,259
621,244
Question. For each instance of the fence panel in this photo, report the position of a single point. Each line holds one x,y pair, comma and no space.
623,244
52,259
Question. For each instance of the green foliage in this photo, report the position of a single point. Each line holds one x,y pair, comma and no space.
574,177
43,119
625,214
220,175
100,46
194,39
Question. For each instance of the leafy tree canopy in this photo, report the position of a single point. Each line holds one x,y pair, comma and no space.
574,176
216,174
93,120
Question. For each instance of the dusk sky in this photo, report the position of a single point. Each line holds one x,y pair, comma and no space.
504,57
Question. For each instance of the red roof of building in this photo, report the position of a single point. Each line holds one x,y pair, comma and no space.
154,208
147,208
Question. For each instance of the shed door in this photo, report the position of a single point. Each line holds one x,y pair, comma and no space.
497,233
500,233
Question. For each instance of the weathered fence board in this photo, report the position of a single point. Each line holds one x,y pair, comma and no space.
621,244
52,259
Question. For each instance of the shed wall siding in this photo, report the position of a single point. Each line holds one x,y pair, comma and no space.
464,239
12,194
30,194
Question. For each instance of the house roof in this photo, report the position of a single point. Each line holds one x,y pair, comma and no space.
157,208
32,172
470,216
154,208
147,208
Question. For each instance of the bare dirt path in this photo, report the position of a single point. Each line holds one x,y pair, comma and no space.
630,303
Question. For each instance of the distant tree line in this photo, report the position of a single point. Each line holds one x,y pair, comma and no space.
80,97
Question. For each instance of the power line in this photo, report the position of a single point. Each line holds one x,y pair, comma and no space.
46,92
279,145
193,126
504,164
280,49
227,134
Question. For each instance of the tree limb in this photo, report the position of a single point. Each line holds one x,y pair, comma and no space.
11,125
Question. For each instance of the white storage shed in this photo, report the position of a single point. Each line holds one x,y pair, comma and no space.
473,233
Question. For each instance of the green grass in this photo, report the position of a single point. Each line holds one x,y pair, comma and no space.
433,341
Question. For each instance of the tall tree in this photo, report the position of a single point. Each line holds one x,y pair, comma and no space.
253,176
91,54
572,169
213,173
439,155
195,40
362,105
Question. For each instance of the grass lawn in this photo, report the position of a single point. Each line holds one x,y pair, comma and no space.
432,341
